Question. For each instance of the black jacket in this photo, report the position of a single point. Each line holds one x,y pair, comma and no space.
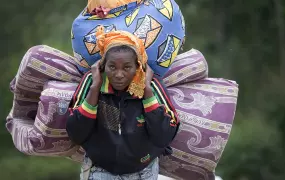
122,134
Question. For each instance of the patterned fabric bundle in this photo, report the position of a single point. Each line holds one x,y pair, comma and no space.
37,118
206,108
150,20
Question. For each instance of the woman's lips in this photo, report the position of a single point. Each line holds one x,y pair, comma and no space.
118,83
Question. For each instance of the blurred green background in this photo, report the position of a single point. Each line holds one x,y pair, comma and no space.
241,40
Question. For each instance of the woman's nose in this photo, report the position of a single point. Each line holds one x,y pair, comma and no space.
119,74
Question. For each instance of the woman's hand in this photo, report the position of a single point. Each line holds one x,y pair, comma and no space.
148,78
96,75
93,94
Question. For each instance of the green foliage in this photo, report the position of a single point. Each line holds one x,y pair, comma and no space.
241,40
253,151
38,168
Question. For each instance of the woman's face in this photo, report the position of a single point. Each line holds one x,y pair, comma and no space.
120,68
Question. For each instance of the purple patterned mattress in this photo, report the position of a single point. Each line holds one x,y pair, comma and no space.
47,79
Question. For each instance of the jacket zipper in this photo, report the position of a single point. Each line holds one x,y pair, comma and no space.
120,132
119,125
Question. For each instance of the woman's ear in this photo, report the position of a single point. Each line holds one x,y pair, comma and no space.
102,68
102,65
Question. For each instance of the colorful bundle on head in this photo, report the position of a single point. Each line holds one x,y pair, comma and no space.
158,23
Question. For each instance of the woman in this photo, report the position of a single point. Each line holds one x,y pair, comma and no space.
37,121
121,114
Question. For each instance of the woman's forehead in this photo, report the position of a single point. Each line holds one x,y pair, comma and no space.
121,54
121,57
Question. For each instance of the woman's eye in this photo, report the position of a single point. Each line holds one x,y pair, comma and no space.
112,67
127,67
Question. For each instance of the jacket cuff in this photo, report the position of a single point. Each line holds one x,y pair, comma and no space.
88,110
150,104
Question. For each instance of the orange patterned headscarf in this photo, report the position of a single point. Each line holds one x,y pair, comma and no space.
110,4
106,41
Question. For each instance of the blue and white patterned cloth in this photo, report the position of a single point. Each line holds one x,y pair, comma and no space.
159,23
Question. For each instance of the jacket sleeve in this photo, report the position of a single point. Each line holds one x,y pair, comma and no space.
160,116
81,122
82,118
